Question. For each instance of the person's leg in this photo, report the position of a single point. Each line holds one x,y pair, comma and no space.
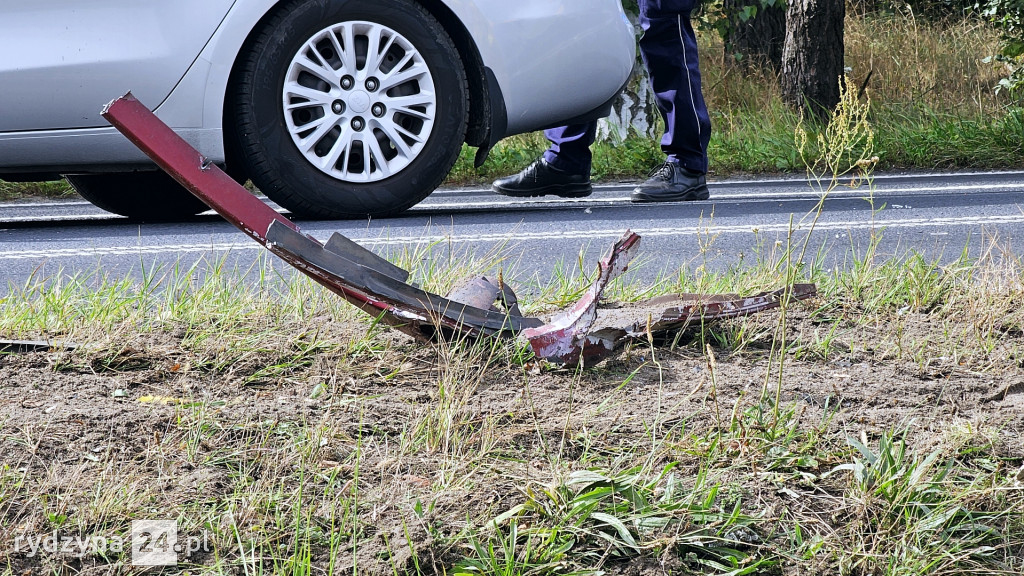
669,50
570,147
563,170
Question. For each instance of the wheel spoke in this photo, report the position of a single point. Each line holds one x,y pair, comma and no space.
397,79
301,105
414,113
322,127
404,105
348,53
320,70
341,146
348,156
414,137
403,62
391,132
373,66
339,51
388,143
378,156
372,41
314,96
366,158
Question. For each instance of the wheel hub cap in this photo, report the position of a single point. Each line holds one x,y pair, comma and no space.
321,107
359,101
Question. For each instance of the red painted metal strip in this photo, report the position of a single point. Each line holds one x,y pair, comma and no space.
191,169
412,310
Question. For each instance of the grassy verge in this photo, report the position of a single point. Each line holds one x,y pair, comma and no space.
19,190
873,431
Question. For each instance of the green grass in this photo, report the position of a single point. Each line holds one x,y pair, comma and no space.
299,493
18,190
926,139
225,316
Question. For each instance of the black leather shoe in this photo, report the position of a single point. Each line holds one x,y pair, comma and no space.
672,183
541,179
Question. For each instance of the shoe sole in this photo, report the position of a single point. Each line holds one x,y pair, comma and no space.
564,191
699,193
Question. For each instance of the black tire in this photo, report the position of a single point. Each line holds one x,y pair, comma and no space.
151,196
273,160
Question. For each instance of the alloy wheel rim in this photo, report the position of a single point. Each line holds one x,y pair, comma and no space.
359,101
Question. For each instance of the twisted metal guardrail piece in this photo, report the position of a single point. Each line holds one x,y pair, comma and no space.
583,334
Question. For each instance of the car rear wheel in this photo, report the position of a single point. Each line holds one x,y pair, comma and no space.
152,196
350,109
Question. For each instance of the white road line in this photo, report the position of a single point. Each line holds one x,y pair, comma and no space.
879,179
884,177
809,194
694,230
127,250
505,202
44,219
878,193
46,204
519,237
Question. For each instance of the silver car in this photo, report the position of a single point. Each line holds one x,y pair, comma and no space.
333,108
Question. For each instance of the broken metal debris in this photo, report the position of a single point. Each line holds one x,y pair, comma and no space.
583,334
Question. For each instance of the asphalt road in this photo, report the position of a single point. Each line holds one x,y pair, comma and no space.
938,215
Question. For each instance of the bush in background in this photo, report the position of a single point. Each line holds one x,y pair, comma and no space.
1008,16
931,9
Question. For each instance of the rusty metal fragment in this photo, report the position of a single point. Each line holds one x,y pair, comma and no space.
589,331
617,324
566,337
583,334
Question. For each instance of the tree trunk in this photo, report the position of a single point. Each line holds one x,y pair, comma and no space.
758,40
812,61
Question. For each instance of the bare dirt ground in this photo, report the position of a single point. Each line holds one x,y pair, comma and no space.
402,447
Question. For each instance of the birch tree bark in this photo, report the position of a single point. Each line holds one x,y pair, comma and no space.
634,109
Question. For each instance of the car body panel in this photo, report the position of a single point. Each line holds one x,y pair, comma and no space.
552,60
62,59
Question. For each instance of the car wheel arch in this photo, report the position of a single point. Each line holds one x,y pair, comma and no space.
482,106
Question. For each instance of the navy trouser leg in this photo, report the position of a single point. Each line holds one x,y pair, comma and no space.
570,147
669,50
